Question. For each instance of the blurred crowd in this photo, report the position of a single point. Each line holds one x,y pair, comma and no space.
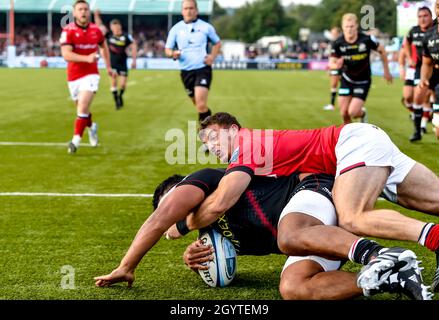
33,40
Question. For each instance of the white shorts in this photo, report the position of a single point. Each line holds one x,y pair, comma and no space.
318,206
327,265
313,204
362,144
87,83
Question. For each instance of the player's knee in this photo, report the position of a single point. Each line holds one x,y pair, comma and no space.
350,223
292,289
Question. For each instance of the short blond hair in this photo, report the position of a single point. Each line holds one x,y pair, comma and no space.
349,17
193,1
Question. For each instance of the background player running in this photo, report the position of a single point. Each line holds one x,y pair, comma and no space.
416,99
80,42
118,42
430,70
352,53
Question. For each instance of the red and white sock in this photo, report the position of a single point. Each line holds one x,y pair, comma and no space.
430,236
81,122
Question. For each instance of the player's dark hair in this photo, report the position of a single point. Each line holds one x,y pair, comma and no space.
223,119
425,9
164,187
80,1
115,21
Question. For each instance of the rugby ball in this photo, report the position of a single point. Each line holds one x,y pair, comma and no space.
222,268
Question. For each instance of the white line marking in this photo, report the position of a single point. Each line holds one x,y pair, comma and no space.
96,195
39,144
132,83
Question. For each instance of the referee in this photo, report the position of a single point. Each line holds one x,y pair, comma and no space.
187,41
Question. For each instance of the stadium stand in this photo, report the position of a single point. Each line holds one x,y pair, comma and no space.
38,23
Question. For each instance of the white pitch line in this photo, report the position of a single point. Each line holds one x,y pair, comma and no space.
96,195
39,144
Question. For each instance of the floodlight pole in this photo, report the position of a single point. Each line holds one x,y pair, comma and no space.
11,23
49,25
130,23
169,21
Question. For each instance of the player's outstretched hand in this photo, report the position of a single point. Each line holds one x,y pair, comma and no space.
133,65
197,254
172,233
118,275
388,77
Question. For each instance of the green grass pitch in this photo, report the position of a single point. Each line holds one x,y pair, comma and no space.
40,235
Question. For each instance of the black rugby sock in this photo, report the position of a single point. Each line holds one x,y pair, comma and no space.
364,250
204,115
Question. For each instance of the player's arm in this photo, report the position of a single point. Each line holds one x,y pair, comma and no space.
99,22
70,56
105,53
402,62
387,75
210,58
215,39
173,207
134,49
335,63
171,43
171,53
407,47
426,71
229,190
335,59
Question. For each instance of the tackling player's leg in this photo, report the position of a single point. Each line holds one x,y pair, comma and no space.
301,234
305,278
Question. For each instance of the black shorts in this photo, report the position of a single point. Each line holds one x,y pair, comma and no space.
320,183
196,78
335,72
415,79
121,69
356,90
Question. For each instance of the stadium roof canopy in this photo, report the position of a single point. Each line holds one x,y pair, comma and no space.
141,7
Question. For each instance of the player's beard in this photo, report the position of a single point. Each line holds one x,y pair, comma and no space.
83,21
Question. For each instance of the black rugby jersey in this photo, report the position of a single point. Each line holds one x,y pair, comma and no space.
356,56
431,44
118,46
251,224
415,38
